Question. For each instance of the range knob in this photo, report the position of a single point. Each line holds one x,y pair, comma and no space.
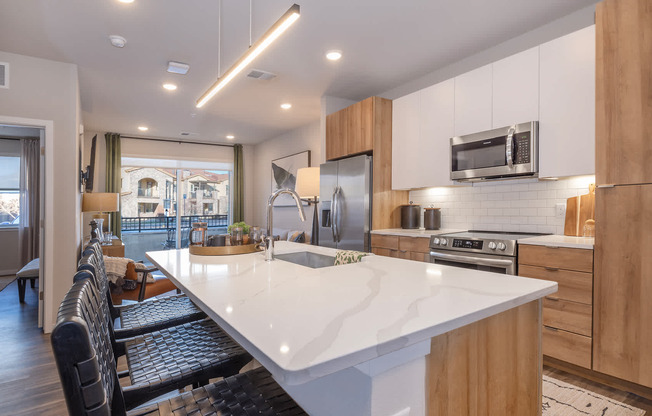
436,241
492,245
502,246
443,242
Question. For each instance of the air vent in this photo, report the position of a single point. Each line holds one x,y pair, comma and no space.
259,74
4,75
187,133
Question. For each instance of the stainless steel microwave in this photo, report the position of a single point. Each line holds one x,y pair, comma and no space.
506,152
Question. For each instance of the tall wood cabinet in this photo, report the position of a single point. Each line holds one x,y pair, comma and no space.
622,333
366,127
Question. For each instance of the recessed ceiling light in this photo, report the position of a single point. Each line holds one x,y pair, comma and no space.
333,55
286,106
118,41
143,128
230,137
170,87
126,1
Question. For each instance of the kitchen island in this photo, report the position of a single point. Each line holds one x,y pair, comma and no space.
381,337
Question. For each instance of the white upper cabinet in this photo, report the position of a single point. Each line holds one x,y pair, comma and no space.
422,125
473,101
567,105
405,141
437,128
516,89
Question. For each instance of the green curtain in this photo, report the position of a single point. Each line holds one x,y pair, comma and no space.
113,177
238,184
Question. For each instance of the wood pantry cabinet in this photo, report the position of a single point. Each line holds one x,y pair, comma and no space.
567,315
410,248
366,127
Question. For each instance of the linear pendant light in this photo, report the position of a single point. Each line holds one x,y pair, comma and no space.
254,50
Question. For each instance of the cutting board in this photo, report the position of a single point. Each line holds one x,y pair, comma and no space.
587,209
572,216
578,210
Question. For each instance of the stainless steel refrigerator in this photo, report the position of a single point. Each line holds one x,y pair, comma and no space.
345,209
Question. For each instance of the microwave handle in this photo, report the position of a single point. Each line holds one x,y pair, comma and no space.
509,147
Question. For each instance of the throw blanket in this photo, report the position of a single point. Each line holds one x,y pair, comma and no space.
116,268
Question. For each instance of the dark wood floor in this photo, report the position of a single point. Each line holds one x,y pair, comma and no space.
29,382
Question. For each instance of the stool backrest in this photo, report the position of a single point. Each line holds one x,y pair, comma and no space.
93,260
84,355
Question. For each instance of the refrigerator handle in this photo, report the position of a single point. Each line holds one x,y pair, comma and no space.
333,215
338,191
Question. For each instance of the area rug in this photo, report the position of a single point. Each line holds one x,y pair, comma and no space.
563,399
6,280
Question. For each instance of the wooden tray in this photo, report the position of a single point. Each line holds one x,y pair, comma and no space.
224,250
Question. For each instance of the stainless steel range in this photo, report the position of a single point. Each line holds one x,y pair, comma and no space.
492,251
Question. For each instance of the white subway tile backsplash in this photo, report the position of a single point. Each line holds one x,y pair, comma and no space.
525,205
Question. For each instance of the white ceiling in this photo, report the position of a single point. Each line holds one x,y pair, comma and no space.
385,44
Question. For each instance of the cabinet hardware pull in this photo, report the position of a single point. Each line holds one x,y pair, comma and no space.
551,328
552,246
552,298
552,269
609,185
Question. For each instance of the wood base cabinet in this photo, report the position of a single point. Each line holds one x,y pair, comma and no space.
567,314
409,248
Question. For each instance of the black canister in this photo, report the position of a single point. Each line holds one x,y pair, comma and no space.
431,218
410,216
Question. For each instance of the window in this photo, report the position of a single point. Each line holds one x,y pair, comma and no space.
208,208
147,208
9,190
148,187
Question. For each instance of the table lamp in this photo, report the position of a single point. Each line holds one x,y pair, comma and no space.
307,186
101,203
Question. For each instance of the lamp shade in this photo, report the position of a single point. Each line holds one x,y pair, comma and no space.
101,202
307,185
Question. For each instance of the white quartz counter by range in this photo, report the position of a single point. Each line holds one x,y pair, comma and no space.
303,323
559,241
419,232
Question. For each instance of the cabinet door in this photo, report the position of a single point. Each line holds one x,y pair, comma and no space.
437,126
336,134
516,89
405,141
624,94
473,101
567,105
360,135
622,333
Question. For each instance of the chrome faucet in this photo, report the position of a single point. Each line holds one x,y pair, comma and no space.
268,242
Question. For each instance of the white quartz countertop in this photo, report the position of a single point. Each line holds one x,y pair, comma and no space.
303,323
417,232
560,241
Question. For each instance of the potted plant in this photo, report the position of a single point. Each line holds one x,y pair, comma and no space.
245,230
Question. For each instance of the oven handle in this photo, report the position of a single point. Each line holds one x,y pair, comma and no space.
472,260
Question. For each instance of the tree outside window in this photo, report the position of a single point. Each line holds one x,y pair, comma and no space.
9,190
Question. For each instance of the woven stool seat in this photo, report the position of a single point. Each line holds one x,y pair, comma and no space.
183,354
250,393
155,314
143,317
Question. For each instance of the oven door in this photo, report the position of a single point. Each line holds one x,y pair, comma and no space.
483,262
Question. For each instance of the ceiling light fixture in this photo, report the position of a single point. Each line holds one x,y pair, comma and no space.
118,41
286,106
170,87
333,55
230,137
254,50
126,1
143,128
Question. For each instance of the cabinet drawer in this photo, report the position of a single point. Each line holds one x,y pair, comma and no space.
569,316
566,346
559,257
417,244
574,286
384,241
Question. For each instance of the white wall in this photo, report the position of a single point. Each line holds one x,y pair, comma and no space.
524,205
294,141
558,28
48,90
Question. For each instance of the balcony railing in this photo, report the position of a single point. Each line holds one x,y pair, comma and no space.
148,193
140,224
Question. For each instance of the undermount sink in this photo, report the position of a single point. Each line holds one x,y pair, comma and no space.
308,259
